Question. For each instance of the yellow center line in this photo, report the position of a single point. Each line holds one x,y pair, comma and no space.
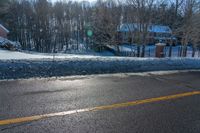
106,107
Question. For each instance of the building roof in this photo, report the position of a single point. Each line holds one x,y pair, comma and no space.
160,29
6,30
151,28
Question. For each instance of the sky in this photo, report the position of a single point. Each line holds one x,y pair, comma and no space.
73,0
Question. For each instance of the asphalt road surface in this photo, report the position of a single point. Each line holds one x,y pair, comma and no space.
123,103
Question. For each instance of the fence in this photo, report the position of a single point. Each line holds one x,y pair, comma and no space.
150,52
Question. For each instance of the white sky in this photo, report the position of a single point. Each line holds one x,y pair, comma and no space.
73,0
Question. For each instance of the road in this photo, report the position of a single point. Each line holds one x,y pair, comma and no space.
121,103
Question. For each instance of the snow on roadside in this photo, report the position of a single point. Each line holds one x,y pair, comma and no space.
23,65
16,55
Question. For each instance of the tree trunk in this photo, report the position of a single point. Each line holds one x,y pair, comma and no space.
143,51
180,51
185,51
138,50
198,53
193,51
170,50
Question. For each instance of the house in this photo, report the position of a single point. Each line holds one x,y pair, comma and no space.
3,31
85,4
156,33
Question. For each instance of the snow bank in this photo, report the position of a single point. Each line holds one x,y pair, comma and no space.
10,45
84,65
15,65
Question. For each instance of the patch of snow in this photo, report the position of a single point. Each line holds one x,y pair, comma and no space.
25,65
4,42
16,55
159,29
65,65
130,27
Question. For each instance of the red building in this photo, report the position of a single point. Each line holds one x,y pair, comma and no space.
3,31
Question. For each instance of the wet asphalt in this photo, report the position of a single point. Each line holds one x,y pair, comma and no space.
20,98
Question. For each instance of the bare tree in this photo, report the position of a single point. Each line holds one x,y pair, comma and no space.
188,12
143,9
195,31
4,5
42,26
105,22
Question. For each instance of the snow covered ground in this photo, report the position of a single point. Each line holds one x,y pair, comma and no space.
5,43
15,55
15,65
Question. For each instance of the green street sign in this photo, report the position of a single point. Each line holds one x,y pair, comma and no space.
89,33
